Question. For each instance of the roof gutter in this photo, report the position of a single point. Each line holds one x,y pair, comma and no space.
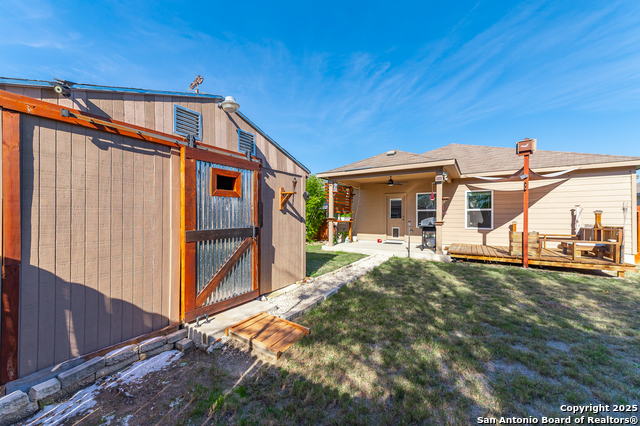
451,165
112,89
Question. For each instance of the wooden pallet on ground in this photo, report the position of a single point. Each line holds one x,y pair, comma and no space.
267,333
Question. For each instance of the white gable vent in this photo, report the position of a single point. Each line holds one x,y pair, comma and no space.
246,142
187,122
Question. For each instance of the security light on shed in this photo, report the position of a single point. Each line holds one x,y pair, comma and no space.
229,105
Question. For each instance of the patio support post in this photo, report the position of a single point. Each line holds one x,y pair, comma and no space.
439,221
330,214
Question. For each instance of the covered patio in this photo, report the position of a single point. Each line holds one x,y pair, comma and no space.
387,205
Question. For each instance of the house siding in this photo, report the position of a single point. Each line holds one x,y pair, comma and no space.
551,202
549,209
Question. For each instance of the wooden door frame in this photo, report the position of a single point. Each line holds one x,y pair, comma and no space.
387,212
188,157
11,248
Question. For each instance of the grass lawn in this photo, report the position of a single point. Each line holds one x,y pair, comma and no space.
320,262
418,342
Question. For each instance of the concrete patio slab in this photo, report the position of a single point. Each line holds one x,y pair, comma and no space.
391,249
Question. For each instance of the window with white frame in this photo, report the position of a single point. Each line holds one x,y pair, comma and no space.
479,210
425,206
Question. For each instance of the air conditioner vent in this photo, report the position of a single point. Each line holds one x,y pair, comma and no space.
187,122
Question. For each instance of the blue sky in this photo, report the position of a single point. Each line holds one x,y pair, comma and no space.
336,82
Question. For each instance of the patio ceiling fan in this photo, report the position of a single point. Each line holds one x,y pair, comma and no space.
391,182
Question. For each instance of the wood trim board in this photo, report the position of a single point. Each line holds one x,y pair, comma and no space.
11,246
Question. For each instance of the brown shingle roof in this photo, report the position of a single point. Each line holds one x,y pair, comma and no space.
384,160
484,159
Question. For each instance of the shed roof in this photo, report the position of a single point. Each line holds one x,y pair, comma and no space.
91,87
477,159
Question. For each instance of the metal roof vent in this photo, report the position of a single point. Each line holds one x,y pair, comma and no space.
187,122
246,142
392,152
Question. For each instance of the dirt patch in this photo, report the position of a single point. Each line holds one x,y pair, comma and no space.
183,393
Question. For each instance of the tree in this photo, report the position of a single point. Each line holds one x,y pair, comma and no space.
315,214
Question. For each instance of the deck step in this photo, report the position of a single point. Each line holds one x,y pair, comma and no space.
267,333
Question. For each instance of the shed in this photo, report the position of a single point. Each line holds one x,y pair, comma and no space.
127,211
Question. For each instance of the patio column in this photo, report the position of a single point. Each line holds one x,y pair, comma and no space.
439,221
330,214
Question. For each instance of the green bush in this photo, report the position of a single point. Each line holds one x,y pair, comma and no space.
315,214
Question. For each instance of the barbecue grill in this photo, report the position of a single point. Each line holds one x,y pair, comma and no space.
428,227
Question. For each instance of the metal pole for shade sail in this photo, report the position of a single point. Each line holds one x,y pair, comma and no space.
525,219
409,245
525,148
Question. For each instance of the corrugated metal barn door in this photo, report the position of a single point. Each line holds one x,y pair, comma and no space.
220,231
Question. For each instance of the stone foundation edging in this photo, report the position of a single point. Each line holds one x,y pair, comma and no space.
19,405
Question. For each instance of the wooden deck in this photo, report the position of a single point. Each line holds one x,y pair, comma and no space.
267,334
548,257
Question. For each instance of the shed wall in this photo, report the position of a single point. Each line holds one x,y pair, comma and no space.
99,216
283,255
156,112
98,223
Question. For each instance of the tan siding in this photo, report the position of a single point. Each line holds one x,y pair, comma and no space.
370,209
156,112
116,227
29,291
79,250
46,255
283,251
128,213
551,202
550,206
63,241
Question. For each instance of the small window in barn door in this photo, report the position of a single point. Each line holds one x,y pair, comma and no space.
226,183
246,142
187,122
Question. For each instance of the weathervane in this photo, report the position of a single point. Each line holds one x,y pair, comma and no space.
197,82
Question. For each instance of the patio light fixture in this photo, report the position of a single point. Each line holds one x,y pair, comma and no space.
229,105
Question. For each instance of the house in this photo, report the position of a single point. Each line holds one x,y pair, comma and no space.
128,211
449,184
